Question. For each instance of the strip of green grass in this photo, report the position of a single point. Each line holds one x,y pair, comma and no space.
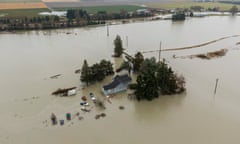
23,12
108,9
206,5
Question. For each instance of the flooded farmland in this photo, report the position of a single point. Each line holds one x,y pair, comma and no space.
29,59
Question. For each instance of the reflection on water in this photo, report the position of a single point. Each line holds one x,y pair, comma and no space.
28,59
147,111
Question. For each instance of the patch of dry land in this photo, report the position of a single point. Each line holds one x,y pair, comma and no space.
208,55
22,5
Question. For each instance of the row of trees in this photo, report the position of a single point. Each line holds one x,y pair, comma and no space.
39,19
25,23
96,72
233,10
157,78
77,13
74,18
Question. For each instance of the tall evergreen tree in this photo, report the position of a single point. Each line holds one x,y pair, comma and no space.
118,50
85,73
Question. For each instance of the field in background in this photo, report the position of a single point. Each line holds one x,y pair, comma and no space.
23,12
28,9
108,9
19,8
13,1
35,12
21,5
172,5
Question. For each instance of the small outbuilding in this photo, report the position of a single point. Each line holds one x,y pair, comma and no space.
118,84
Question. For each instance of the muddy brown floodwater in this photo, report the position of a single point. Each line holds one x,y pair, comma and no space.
29,59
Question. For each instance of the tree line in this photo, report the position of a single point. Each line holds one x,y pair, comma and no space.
157,78
96,72
25,23
73,18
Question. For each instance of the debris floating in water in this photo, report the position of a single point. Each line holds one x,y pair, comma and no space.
78,113
61,122
65,92
84,109
53,119
100,115
103,114
97,116
121,107
80,118
55,76
77,71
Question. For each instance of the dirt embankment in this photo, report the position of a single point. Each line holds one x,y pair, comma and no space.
23,5
194,46
207,56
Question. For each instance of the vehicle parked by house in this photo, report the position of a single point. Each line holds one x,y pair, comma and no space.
93,98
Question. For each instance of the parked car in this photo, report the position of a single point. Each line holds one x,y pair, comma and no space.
84,103
93,98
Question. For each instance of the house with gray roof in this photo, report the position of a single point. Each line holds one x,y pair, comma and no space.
118,84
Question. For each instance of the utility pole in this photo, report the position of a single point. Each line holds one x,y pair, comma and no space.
215,90
107,30
159,56
127,41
